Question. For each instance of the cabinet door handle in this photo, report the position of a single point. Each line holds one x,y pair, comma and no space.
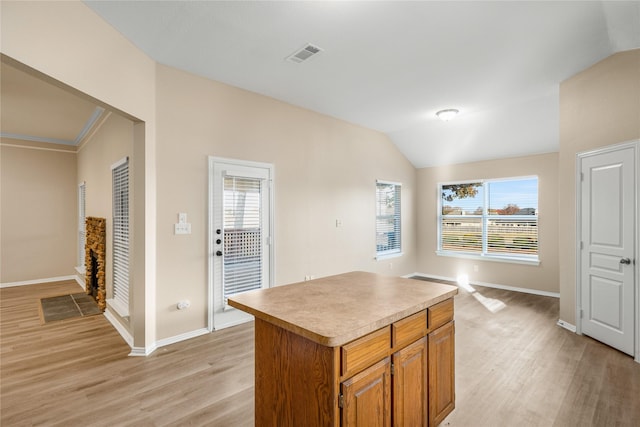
625,261
219,253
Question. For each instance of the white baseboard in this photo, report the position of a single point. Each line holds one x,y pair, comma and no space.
568,326
124,333
516,289
142,351
182,337
426,276
80,277
145,351
80,283
493,285
37,281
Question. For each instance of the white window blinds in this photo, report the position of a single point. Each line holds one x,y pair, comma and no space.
243,234
495,218
120,176
388,227
82,233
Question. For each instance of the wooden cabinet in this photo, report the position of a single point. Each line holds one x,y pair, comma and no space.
366,397
410,387
441,374
421,388
356,349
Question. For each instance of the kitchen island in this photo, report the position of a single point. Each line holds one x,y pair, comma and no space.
353,349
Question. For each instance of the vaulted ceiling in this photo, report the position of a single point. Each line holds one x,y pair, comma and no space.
385,65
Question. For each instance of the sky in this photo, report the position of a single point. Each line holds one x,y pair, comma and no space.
521,192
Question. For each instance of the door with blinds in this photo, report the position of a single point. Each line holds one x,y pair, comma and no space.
240,238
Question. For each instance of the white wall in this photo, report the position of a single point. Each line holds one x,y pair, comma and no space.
325,169
110,143
38,210
543,277
599,106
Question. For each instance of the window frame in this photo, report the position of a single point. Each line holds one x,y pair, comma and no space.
396,251
82,216
484,218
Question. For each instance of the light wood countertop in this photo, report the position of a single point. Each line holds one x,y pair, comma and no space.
335,310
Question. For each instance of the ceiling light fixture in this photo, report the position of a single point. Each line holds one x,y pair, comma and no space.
446,115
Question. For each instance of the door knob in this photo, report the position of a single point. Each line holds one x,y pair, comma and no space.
625,261
219,253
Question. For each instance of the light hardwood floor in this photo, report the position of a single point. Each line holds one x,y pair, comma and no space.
514,367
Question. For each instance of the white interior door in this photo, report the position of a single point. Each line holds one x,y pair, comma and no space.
239,236
608,230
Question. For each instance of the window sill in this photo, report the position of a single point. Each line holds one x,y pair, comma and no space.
493,258
389,255
118,307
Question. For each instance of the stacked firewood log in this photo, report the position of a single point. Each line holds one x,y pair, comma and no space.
96,242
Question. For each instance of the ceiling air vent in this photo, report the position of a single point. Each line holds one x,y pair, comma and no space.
304,54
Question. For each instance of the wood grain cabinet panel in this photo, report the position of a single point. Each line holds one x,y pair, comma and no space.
296,388
441,373
421,384
367,397
410,391
439,314
365,351
408,330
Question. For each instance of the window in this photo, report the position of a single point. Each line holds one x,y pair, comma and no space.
82,236
489,218
243,234
120,176
388,230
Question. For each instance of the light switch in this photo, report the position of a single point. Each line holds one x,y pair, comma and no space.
182,227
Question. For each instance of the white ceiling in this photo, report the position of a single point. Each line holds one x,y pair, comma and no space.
37,111
390,65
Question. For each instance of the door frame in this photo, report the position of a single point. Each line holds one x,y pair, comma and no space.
635,144
212,160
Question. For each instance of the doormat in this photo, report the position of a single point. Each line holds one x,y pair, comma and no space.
68,306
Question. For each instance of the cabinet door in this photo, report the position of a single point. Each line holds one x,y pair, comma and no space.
410,397
367,397
441,373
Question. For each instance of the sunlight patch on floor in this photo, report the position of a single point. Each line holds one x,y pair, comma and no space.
491,304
